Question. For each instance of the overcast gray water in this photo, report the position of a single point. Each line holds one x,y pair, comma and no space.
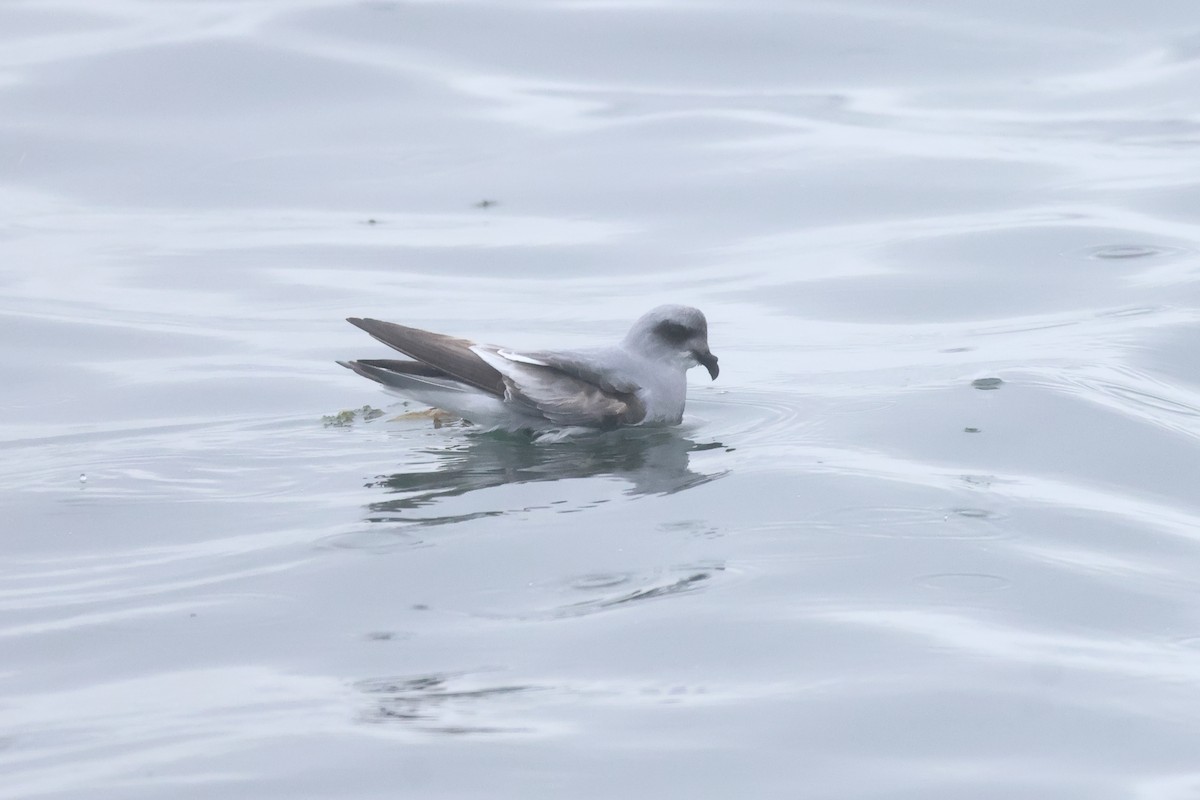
934,532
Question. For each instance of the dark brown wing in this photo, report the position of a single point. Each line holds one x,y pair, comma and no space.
392,372
405,367
443,355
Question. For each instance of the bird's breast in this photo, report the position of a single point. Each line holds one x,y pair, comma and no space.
664,401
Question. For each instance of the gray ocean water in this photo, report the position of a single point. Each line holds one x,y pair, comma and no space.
934,533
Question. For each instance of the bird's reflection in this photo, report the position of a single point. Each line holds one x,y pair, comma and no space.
650,462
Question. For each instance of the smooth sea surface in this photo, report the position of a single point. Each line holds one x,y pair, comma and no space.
933,533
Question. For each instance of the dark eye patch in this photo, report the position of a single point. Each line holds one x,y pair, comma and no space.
673,332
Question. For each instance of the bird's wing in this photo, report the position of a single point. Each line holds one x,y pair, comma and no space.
565,388
443,354
397,374
584,366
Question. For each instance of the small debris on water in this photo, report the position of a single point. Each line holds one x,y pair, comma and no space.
970,430
439,417
485,203
987,384
83,477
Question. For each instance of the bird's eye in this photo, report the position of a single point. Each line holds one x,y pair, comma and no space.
673,332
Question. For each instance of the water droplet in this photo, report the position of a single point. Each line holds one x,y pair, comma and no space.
1126,251
910,522
599,580
973,513
963,582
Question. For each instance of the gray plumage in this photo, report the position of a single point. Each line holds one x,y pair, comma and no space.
641,381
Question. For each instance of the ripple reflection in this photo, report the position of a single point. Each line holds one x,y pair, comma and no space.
650,463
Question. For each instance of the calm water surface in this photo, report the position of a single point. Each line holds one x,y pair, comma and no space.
935,532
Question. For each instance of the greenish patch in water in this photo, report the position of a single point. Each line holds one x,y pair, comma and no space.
344,419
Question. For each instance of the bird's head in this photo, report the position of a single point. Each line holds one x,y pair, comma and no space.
674,333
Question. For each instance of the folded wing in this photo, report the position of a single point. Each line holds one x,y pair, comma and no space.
558,387
564,390
444,354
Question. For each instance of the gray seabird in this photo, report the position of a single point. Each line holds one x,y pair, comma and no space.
641,381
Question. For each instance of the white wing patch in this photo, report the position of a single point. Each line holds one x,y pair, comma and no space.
518,358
